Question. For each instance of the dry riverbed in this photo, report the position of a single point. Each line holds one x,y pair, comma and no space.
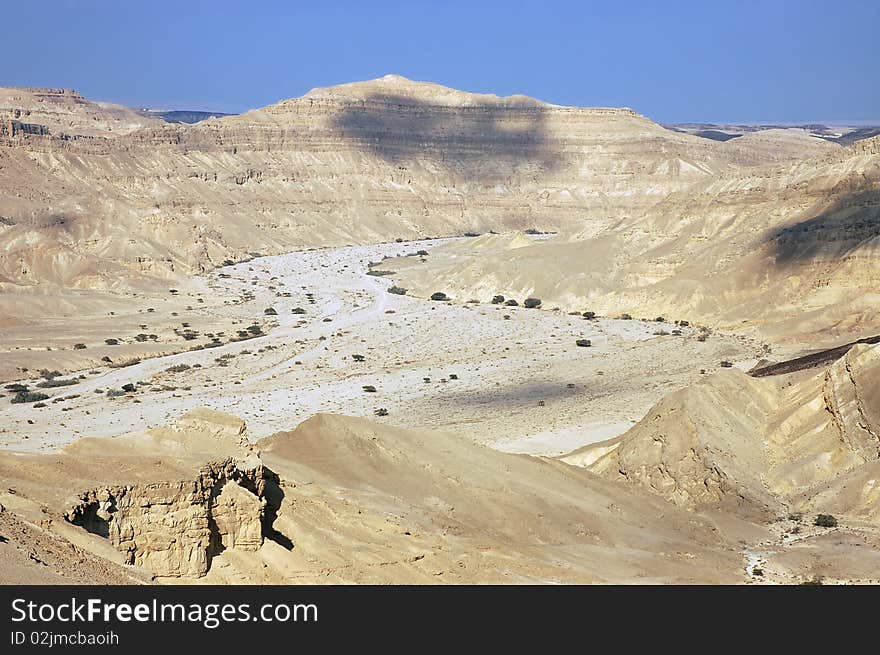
509,376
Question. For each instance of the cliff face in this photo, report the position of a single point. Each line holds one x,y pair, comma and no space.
175,529
356,163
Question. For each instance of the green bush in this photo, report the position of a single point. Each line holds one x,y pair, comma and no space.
399,291
28,397
825,521
589,315
439,295
511,303
497,300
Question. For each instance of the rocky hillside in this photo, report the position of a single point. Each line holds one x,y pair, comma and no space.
760,444
790,249
110,208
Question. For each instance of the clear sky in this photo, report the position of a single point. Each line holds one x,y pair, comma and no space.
674,61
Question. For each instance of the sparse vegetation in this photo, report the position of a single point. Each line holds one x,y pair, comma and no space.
439,295
511,303
532,303
400,291
111,342
28,397
369,388
825,521
583,343
497,300
270,311
51,383
79,346
589,315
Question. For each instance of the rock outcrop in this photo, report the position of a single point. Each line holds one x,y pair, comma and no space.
175,529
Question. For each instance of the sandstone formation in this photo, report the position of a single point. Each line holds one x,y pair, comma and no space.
352,501
788,249
362,162
801,442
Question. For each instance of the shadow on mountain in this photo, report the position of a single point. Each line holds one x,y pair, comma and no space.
832,233
481,141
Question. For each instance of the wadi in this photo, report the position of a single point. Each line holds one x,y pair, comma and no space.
393,332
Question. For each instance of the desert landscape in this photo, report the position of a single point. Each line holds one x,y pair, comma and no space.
390,332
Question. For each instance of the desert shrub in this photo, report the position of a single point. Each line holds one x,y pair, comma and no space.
381,412
48,375
422,253
105,358
583,343
28,397
369,388
589,315
511,303
48,384
111,342
39,405
358,358
79,346
726,364
270,311
701,337
683,323
129,388
439,295
825,521
453,376
16,387
659,319
177,368
625,317
497,300
378,273
532,303
114,393
400,291
757,571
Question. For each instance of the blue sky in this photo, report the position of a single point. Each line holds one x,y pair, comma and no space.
748,61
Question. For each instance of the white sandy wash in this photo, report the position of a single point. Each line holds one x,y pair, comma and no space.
503,375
